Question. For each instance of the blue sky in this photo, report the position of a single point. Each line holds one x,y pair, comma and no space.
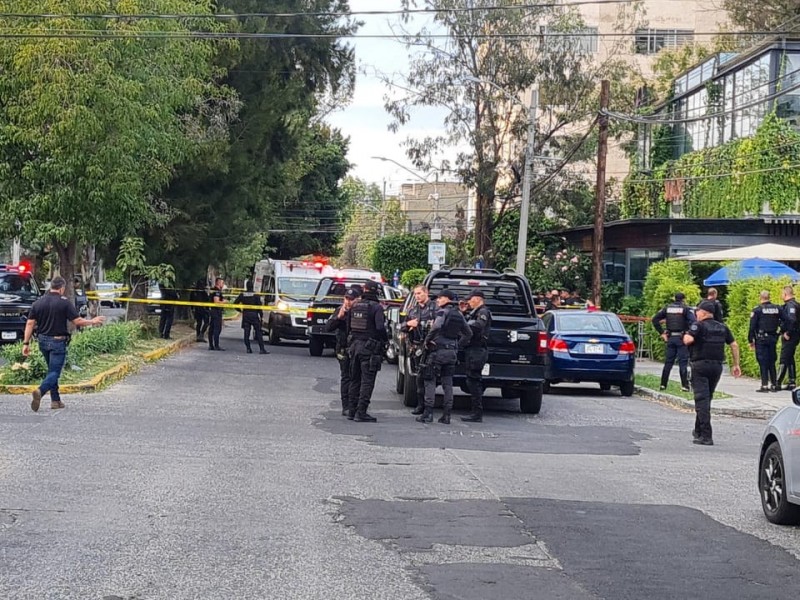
365,121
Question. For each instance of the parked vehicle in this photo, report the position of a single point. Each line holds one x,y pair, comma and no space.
287,287
779,465
108,294
18,292
588,346
516,357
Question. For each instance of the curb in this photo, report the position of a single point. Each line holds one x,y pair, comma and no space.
112,375
688,405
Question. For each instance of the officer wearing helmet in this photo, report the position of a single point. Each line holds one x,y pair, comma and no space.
449,330
367,336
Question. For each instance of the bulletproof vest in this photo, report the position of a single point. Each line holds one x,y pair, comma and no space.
710,345
770,318
361,318
792,304
676,318
451,328
250,298
484,337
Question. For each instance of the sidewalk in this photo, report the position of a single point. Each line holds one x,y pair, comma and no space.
744,400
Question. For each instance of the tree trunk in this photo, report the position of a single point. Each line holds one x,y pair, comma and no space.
66,265
136,310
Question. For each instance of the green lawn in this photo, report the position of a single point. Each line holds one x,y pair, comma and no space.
652,382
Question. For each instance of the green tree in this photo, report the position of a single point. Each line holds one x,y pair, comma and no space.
763,15
400,253
92,128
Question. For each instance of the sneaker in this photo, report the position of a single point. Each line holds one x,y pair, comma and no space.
703,441
763,390
686,388
789,387
661,388
57,404
37,400
418,411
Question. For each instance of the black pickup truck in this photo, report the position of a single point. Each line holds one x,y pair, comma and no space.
517,341
328,298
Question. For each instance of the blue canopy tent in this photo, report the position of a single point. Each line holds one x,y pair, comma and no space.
750,269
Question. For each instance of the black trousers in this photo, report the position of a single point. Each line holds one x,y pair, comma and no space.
165,322
256,327
676,350
214,328
201,320
442,367
344,377
788,348
705,377
766,355
419,380
364,366
475,358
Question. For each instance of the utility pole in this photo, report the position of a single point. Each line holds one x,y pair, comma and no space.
598,244
383,212
525,207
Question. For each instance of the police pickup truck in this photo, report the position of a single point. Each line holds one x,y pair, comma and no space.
18,292
328,298
517,341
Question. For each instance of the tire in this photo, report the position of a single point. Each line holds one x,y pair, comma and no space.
626,388
410,390
391,354
546,387
508,393
772,489
272,337
530,400
399,382
605,386
316,345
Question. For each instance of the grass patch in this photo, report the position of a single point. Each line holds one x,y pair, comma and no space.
653,382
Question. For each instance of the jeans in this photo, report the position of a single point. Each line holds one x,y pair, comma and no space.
55,354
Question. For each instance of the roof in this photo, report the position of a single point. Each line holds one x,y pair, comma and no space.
777,252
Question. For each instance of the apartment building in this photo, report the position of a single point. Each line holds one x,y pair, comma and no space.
444,205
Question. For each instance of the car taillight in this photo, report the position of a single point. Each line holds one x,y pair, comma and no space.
627,347
309,316
557,345
542,347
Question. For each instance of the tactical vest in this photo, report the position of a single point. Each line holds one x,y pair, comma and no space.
710,345
770,318
484,337
795,315
361,321
453,322
676,318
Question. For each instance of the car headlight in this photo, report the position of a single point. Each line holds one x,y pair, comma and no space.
282,305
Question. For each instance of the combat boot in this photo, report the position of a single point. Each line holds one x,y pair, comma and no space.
426,416
418,410
364,417
475,417
445,418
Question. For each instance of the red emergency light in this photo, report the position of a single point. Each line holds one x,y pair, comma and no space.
24,267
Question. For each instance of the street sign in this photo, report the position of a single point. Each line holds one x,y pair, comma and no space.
436,234
437,252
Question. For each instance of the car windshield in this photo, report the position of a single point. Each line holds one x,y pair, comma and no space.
501,297
335,288
16,284
585,322
292,288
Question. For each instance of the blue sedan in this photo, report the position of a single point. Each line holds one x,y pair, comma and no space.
588,346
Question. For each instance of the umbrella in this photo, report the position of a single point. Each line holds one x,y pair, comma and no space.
750,269
770,251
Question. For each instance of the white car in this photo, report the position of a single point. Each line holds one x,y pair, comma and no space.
779,466
108,294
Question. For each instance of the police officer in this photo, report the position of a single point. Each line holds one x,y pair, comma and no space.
367,337
479,320
167,312
338,324
763,336
790,336
251,319
707,338
201,313
215,325
711,296
678,317
448,329
416,326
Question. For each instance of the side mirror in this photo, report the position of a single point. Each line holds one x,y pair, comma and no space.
796,396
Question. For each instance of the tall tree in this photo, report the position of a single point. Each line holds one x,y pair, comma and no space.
93,126
487,61
763,15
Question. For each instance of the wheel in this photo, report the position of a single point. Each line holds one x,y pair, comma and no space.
546,387
509,393
626,388
399,382
772,488
391,354
316,345
410,390
530,400
605,386
272,336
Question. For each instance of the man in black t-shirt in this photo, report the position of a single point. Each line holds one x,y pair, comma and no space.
50,316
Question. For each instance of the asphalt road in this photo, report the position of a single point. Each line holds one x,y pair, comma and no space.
228,475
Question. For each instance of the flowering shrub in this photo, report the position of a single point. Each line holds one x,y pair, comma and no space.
564,268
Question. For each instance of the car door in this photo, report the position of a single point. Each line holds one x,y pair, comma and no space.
791,457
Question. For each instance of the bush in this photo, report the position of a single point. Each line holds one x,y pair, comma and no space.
664,279
743,297
413,277
21,370
400,253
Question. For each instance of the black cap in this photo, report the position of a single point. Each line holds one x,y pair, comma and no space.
680,296
352,294
371,286
707,305
476,293
449,294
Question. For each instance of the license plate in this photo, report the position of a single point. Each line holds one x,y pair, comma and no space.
593,348
485,370
9,335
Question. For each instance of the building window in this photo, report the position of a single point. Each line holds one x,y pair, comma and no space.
650,41
639,262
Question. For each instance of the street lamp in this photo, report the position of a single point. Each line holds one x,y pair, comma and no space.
525,207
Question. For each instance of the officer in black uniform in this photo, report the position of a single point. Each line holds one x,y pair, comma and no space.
215,326
711,296
678,317
251,319
416,327
479,320
763,336
338,324
367,337
790,336
448,330
167,312
707,338
201,313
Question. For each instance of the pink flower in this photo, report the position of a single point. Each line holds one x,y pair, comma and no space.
564,268
574,259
